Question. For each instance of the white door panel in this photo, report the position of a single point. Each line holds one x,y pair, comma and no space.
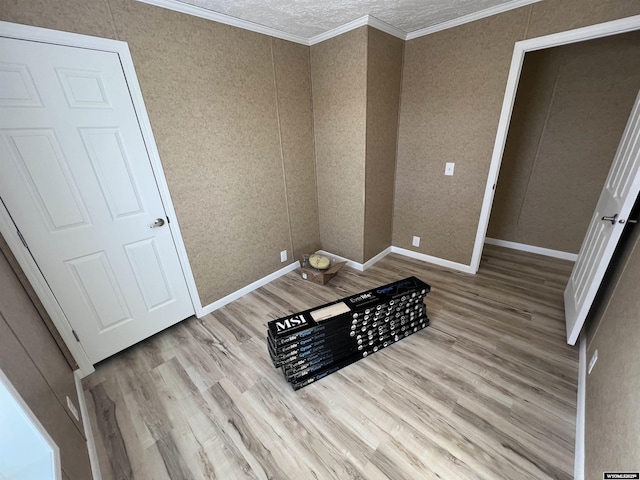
616,201
77,181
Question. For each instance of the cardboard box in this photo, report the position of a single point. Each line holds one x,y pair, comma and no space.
321,277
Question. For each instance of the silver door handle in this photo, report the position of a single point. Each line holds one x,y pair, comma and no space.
611,219
158,223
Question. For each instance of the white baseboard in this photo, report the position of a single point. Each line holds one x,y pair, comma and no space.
435,260
372,261
361,267
243,291
579,454
350,263
530,248
88,431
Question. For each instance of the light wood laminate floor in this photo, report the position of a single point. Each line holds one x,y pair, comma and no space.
488,391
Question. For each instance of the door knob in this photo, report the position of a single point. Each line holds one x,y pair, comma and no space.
158,223
610,219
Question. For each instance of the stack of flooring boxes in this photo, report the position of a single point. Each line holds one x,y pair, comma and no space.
312,344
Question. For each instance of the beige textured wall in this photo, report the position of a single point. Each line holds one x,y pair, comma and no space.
339,86
552,16
293,81
535,91
37,369
572,105
452,90
384,70
612,413
210,91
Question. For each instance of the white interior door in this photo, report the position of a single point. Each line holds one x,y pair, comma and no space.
77,181
616,201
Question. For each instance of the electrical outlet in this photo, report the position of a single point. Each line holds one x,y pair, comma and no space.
73,409
416,241
283,256
448,168
592,362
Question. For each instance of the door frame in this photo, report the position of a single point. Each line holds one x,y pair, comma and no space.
26,261
591,32
30,417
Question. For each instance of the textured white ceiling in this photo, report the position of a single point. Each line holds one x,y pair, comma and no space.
308,18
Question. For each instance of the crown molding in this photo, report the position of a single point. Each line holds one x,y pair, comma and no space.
370,20
386,28
472,17
334,32
181,7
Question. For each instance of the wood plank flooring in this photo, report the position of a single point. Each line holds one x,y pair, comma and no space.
488,391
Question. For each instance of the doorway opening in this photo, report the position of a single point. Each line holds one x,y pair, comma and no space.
571,108
620,186
616,27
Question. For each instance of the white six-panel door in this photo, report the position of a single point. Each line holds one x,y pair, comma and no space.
76,179
616,201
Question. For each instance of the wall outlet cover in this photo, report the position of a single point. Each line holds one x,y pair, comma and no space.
283,256
416,241
448,169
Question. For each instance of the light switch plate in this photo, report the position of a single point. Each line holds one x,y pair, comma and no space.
448,168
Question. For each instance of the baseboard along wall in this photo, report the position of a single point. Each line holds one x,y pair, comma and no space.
88,431
532,249
360,267
579,451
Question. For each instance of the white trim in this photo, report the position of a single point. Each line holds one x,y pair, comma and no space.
25,32
372,261
472,17
520,48
244,290
402,251
532,249
88,431
579,457
350,263
361,267
283,271
195,11
334,32
386,27
369,20
606,29
55,450
434,260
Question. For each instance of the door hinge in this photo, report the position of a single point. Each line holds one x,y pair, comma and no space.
75,335
168,219
24,242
